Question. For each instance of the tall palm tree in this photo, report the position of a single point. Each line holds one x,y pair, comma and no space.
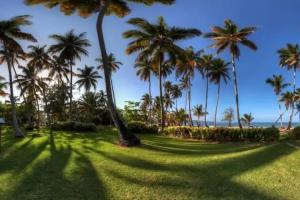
3,87
114,65
103,8
290,58
230,37
219,71
144,71
288,99
70,47
87,78
38,57
247,119
176,93
186,68
199,112
169,103
277,83
10,33
59,70
157,41
204,68
146,103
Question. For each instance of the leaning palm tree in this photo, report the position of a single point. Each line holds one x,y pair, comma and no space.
10,33
70,47
114,65
103,8
290,58
3,87
247,119
87,78
277,83
230,37
158,42
288,99
199,112
204,68
219,71
144,71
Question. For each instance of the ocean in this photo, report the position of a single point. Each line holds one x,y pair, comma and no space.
254,124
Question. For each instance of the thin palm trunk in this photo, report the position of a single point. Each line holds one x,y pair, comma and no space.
293,103
190,99
125,138
18,132
206,100
150,103
236,92
217,105
280,112
71,90
162,113
113,91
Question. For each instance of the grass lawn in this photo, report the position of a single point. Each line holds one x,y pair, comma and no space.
72,166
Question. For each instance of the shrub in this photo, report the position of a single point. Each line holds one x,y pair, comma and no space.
140,127
296,133
224,134
74,126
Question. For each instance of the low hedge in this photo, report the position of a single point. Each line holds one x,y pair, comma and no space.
224,134
141,127
74,126
295,134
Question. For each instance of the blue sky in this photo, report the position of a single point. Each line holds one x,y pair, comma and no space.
277,20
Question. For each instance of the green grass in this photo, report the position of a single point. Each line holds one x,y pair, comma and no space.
71,166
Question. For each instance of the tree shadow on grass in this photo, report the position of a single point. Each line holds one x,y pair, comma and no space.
48,180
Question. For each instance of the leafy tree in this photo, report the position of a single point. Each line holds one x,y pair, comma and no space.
230,37
290,58
288,99
3,87
277,83
176,93
199,112
247,119
181,116
229,116
88,77
59,70
146,105
10,34
158,42
38,57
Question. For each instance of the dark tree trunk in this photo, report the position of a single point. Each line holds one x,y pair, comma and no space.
280,112
236,92
293,103
113,91
190,99
71,90
150,105
217,105
125,138
206,99
162,113
15,124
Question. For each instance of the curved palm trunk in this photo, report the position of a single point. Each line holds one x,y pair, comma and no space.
206,99
280,112
236,92
150,105
113,91
125,138
190,99
162,113
217,105
18,132
71,90
293,103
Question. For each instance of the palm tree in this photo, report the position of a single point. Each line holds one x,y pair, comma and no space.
144,71
169,103
204,68
219,71
114,65
3,87
38,57
146,103
277,83
10,33
229,116
290,58
87,78
288,99
230,37
184,84
59,70
157,41
186,68
247,119
181,116
70,47
103,8
176,93
199,112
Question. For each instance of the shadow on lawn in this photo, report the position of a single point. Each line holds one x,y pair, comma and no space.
47,179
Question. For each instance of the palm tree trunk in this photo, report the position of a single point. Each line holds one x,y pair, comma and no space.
113,91
217,105
293,103
18,132
150,105
236,92
190,99
280,112
162,113
125,138
206,99
71,90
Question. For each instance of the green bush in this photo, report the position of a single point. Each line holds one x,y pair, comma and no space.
140,127
296,133
74,126
224,134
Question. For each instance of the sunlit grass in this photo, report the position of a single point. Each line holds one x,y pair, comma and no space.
91,166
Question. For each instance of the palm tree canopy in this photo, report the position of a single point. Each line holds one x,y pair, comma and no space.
59,69
247,118
70,46
219,70
176,92
3,87
199,111
144,69
85,8
188,65
289,56
87,77
39,57
288,99
113,64
230,36
205,63
277,83
10,32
